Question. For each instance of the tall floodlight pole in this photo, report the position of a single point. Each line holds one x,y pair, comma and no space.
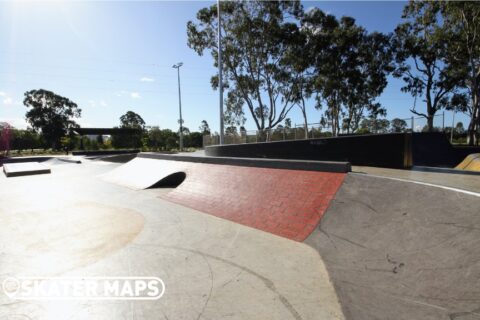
177,66
220,71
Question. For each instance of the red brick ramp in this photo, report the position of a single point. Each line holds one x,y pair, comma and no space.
287,203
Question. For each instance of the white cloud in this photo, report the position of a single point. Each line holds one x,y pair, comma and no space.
147,79
135,95
7,100
131,94
99,103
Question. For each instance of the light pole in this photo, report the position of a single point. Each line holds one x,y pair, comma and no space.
220,71
177,66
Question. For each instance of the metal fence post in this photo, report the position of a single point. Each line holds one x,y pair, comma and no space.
443,122
453,123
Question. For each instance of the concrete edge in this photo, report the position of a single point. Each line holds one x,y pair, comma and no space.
445,170
25,159
103,152
70,160
117,158
305,165
25,173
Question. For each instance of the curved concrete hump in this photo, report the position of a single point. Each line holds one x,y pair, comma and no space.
74,159
471,163
399,250
140,173
288,203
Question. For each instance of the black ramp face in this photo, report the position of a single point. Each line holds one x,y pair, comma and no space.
381,150
399,250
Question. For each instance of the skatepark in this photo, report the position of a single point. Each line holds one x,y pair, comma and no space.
240,160
246,238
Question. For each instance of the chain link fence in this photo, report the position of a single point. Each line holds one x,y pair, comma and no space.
318,130
315,130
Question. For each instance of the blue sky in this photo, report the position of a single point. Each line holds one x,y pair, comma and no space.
111,57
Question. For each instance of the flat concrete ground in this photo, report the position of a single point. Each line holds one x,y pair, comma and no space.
72,223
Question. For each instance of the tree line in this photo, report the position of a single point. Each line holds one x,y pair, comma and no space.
52,125
277,56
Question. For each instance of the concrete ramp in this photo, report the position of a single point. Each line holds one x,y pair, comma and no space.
400,250
142,173
471,163
288,203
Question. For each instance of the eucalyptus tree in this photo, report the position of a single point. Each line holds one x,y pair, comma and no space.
234,115
420,58
253,44
204,128
132,120
461,31
350,68
321,30
298,76
368,62
51,114
398,125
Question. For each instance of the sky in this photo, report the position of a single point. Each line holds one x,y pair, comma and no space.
111,57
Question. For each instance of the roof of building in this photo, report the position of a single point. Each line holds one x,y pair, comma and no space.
93,131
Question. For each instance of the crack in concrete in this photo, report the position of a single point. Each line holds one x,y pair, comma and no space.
267,282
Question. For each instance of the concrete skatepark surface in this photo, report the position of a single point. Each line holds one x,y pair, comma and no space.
462,182
409,254
72,223
383,249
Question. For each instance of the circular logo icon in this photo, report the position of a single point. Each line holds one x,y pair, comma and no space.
11,286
